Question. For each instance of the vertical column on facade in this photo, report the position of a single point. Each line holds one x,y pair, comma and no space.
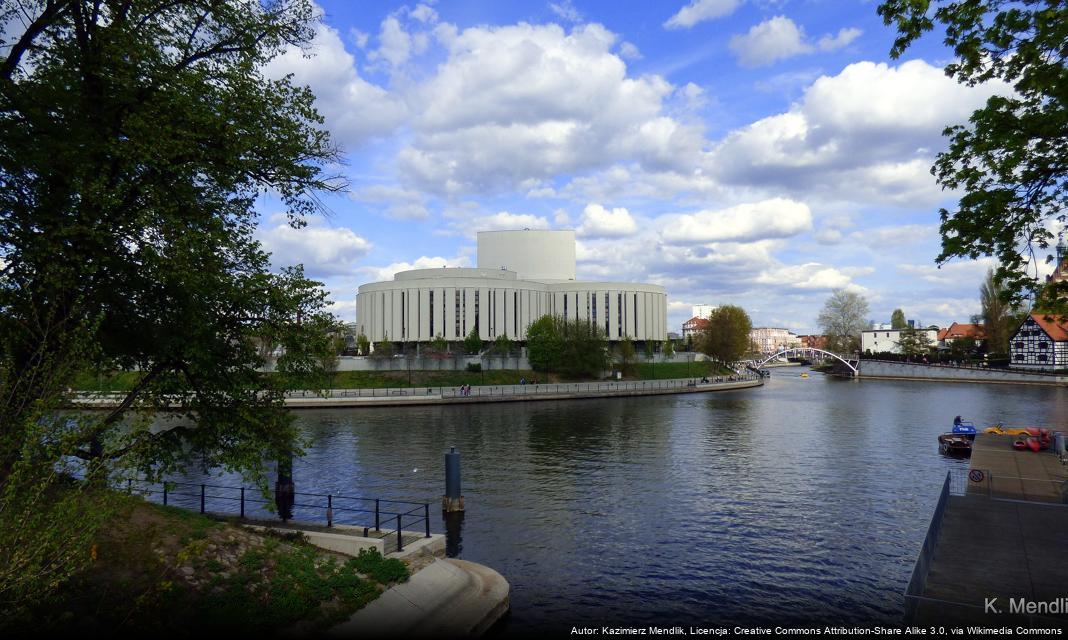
483,313
394,316
613,315
500,324
640,327
423,309
450,329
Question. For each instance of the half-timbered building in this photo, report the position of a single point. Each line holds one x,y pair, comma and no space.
1041,342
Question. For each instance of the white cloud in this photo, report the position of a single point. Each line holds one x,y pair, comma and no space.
774,218
779,38
699,11
811,275
425,14
527,103
629,51
598,222
566,11
355,110
380,274
323,250
395,45
400,204
774,39
868,134
844,38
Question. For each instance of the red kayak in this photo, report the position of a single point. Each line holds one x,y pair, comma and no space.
1021,445
1034,444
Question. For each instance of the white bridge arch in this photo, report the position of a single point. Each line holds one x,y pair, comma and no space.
810,352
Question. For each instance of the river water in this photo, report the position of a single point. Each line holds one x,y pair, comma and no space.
805,500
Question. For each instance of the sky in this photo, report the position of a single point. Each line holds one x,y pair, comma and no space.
759,153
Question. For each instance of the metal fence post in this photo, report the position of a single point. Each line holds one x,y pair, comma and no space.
242,502
129,485
165,494
377,528
426,517
202,498
330,510
400,539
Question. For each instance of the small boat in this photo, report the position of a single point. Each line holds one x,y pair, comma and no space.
954,444
804,375
964,428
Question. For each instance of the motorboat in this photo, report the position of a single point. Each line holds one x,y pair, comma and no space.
954,444
964,428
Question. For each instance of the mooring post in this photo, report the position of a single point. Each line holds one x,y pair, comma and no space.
284,488
453,500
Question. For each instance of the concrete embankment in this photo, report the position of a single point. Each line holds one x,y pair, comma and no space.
350,398
882,369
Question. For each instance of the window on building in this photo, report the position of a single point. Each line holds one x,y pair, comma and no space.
565,305
1018,345
477,316
431,313
1017,356
1043,345
1041,357
515,314
404,325
619,315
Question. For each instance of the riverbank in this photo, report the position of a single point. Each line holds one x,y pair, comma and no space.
407,396
156,569
888,370
422,378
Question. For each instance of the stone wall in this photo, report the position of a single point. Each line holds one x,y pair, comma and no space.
912,371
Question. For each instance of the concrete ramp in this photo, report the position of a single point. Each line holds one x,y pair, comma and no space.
451,598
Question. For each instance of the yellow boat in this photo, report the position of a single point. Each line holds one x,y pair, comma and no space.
804,375
1002,431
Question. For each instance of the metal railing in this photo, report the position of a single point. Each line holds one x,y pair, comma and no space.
923,562
315,508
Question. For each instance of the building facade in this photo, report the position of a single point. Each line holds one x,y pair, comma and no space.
887,340
521,276
769,340
694,326
1039,343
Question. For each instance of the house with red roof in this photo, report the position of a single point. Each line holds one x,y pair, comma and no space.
959,331
694,326
1041,342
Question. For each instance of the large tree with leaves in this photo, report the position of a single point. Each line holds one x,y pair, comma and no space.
1008,161
843,317
135,138
726,336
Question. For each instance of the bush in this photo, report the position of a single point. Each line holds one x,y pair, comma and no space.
370,563
474,367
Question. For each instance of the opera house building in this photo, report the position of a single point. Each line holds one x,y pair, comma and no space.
521,276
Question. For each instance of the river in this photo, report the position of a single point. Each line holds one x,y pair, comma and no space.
805,500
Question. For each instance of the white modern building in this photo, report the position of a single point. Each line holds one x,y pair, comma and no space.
704,310
887,340
521,276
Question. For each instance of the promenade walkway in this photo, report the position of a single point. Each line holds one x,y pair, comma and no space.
1001,557
384,397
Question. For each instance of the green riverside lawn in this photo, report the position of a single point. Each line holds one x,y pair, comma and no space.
168,570
124,381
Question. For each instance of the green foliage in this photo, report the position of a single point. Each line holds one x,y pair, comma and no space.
383,349
668,348
897,320
997,315
439,346
363,345
575,348
473,343
1008,161
627,355
914,342
474,367
370,563
843,317
503,345
650,349
726,338
132,151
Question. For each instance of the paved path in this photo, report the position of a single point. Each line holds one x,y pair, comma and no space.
1006,540
448,598
347,398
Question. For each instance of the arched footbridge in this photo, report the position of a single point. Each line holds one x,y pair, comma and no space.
811,352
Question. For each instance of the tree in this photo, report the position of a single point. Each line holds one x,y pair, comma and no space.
383,348
502,345
668,349
1008,161
650,349
726,337
842,319
997,315
575,348
627,354
438,347
132,150
897,319
363,345
473,343
914,342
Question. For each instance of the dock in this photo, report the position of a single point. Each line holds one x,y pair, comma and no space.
996,553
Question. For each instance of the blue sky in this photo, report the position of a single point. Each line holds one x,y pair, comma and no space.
757,153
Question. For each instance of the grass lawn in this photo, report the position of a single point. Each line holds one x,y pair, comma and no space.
125,380
166,570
